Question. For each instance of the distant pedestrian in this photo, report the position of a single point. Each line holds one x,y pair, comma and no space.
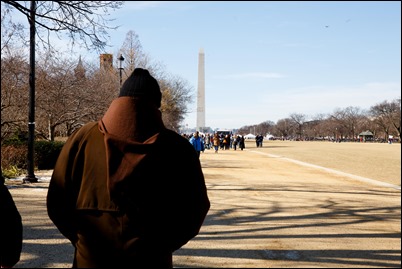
226,142
198,143
216,142
242,144
235,142
208,141
221,138
259,138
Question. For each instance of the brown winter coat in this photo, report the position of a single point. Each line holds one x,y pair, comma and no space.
126,191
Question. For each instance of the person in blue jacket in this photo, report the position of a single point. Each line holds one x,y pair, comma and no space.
197,142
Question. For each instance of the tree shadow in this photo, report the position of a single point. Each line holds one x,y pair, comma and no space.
226,223
43,245
337,225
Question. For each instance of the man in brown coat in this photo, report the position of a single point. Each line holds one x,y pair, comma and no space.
126,191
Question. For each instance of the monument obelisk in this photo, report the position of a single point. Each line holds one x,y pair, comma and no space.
201,92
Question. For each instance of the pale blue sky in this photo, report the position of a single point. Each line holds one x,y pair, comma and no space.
267,60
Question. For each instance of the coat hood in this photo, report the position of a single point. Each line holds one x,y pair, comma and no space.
131,128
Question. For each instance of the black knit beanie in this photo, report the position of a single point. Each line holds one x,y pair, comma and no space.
141,83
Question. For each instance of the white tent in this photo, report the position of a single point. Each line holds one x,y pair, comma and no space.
249,136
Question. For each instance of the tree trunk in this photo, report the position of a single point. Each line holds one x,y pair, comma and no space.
51,129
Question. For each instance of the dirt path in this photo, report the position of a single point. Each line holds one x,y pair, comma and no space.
265,212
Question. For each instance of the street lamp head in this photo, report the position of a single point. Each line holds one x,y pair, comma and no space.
121,59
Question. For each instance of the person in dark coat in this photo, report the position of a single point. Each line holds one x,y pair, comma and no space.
127,191
242,144
11,229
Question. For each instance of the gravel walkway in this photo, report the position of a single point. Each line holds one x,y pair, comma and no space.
265,212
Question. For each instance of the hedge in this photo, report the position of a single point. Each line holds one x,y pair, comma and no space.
14,154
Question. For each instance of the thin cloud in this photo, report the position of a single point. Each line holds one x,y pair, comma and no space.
314,100
253,75
142,5
301,45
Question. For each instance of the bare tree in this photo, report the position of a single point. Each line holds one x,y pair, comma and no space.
14,77
98,92
320,129
298,120
14,98
265,127
71,94
11,35
133,53
177,93
388,115
83,22
84,19
338,119
284,127
352,116
58,100
244,129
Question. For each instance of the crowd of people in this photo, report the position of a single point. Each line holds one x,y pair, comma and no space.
219,141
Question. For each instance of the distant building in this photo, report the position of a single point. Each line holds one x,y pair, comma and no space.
106,62
79,71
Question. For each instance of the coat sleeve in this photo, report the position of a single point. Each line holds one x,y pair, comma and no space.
173,200
193,205
11,230
61,197
190,202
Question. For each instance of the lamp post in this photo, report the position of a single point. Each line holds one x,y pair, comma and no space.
31,117
121,59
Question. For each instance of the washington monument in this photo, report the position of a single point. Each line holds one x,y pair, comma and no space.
201,92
